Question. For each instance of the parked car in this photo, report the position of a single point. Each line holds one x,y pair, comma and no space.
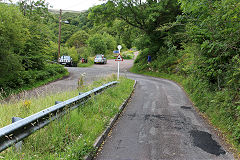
99,58
66,60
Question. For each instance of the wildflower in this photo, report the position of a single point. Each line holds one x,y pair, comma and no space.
26,104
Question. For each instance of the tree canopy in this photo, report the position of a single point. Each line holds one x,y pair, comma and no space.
147,16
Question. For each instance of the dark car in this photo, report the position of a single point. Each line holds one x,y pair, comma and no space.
66,60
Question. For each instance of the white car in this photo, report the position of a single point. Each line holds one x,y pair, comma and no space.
99,58
66,60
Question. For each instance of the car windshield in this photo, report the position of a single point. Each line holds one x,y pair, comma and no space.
99,56
65,57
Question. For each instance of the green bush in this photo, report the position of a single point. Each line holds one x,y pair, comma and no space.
164,63
142,57
128,55
78,39
31,77
74,55
97,44
110,42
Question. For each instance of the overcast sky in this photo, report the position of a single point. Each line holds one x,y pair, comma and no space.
76,5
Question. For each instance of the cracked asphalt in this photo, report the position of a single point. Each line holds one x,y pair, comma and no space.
159,123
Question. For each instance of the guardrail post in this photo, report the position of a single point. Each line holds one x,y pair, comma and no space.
18,145
57,102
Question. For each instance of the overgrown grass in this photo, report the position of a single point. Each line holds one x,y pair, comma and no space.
218,106
71,137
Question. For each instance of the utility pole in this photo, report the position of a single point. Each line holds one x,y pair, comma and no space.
31,7
59,34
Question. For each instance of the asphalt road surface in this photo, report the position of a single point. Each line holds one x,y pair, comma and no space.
159,122
93,73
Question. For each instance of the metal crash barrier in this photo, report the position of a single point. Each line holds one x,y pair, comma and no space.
21,129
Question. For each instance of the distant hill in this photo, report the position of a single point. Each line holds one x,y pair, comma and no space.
56,11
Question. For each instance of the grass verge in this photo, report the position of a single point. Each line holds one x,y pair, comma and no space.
29,86
71,137
85,64
43,82
215,106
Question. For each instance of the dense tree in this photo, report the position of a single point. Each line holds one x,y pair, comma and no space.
109,41
121,31
97,44
74,55
213,28
36,10
67,31
78,39
69,17
13,36
78,19
24,37
51,51
34,50
84,22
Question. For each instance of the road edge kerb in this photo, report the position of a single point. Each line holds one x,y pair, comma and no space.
105,133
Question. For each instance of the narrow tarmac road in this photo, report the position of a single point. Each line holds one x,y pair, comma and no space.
93,73
160,123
